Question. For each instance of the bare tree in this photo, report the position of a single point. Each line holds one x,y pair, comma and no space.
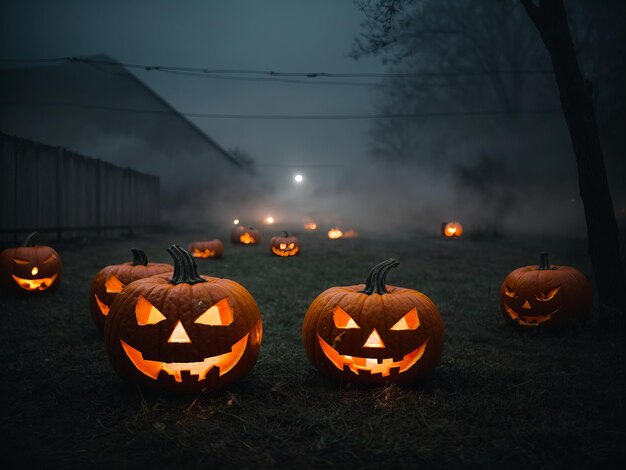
550,18
486,45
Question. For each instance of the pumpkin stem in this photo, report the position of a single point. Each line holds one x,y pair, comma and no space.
286,234
185,268
544,263
375,283
139,257
30,239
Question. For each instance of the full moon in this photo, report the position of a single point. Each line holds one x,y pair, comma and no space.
298,178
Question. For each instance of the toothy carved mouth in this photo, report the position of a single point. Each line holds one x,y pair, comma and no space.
34,284
279,252
152,369
371,365
203,253
528,320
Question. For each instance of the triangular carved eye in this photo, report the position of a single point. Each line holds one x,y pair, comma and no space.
343,320
508,292
220,314
113,285
549,296
282,246
290,246
49,258
21,261
146,313
410,321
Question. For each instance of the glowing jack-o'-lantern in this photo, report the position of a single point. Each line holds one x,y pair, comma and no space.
545,296
30,268
110,281
373,333
183,332
335,233
206,249
451,229
310,226
285,246
245,236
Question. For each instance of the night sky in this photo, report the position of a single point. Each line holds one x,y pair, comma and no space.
519,174
289,36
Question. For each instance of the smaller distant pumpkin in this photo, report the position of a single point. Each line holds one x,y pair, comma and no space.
30,268
245,235
451,229
285,245
110,281
545,296
334,233
206,249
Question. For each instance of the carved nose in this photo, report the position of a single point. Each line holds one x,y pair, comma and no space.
526,305
374,340
179,335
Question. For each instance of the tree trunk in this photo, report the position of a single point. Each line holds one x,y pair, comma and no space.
550,18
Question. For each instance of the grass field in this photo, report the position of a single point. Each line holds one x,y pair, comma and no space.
501,398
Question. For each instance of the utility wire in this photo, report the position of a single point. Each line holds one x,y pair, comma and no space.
316,117
272,73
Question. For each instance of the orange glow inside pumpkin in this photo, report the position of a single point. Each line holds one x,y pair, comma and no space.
207,253
225,362
247,239
371,365
179,335
343,320
374,340
34,284
334,233
310,226
113,285
527,319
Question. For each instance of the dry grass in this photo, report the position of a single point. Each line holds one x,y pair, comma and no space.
500,398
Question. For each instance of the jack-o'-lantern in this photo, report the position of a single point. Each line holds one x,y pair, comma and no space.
110,281
285,245
451,229
30,268
245,235
335,233
206,249
373,333
183,332
545,296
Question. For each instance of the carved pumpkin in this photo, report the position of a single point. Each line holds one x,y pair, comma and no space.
451,229
285,246
30,268
245,236
373,333
110,281
545,296
183,332
335,233
206,249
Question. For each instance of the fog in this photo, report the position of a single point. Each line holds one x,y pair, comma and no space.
498,173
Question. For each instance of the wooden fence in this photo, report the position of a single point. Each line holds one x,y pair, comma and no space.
51,189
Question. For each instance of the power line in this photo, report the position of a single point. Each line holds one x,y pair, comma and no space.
316,117
273,73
